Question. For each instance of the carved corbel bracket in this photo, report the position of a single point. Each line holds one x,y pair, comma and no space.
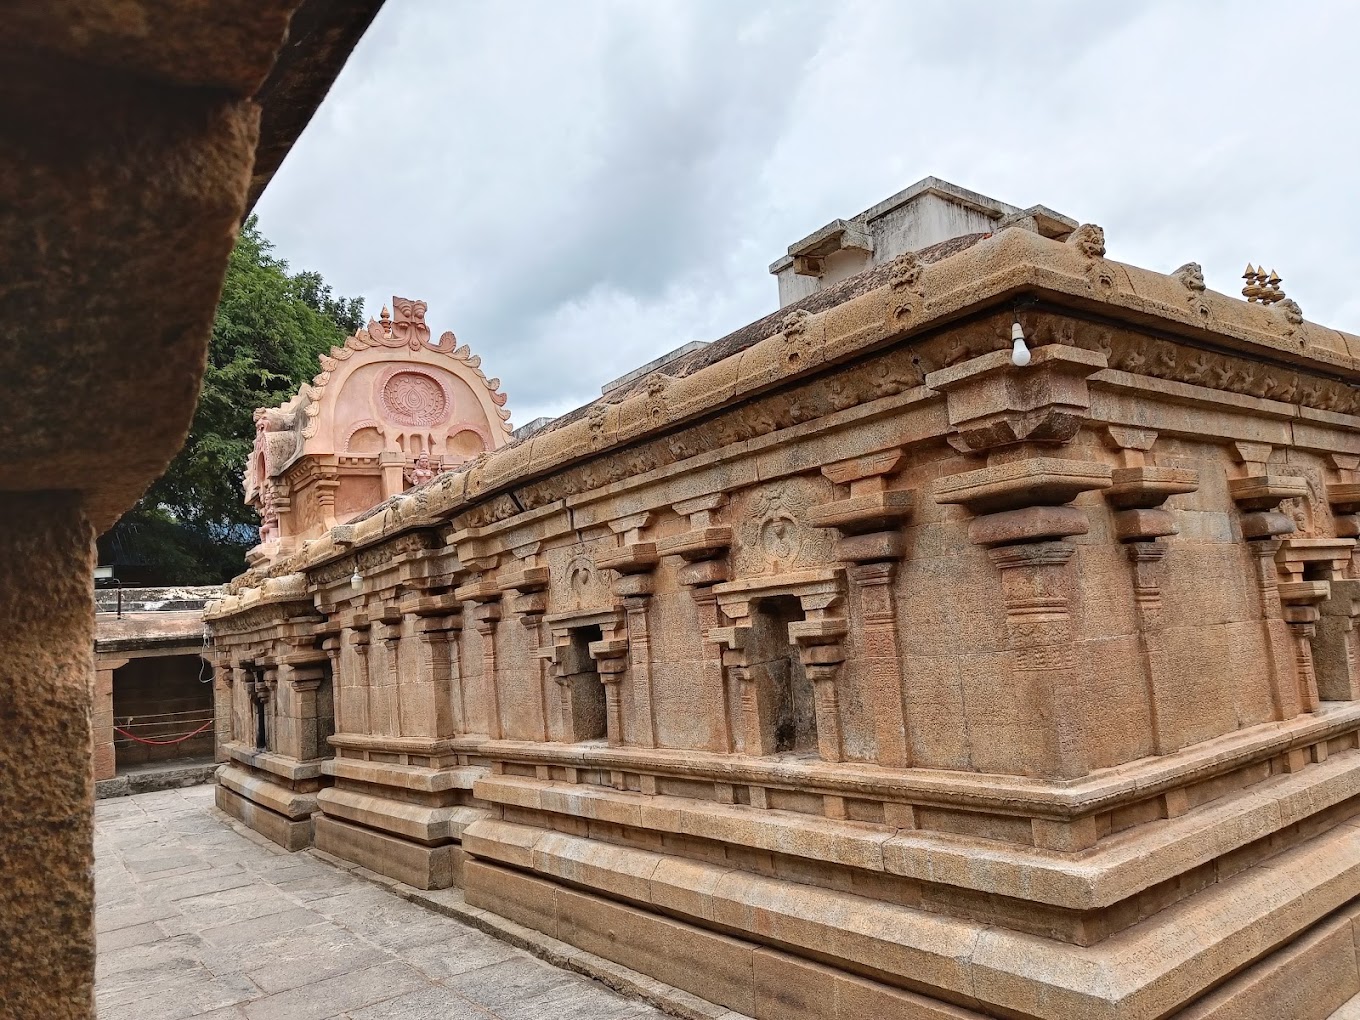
1139,489
611,657
703,547
991,402
1024,500
1343,493
869,518
1259,490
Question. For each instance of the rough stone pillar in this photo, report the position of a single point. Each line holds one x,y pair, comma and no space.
882,659
105,758
46,783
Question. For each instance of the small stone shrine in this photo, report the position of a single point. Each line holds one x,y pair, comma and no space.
971,637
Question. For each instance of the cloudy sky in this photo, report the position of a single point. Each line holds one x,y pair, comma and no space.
577,186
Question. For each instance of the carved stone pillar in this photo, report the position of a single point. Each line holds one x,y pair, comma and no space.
428,710
1137,495
1020,502
262,691
632,563
611,656
869,522
1335,644
487,594
818,639
486,616
224,678
353,696
1308,567
436,705
703,549
384,700
530,602
1258,492
754,719
302,724
821,651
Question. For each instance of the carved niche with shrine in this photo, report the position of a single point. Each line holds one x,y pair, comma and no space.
389,410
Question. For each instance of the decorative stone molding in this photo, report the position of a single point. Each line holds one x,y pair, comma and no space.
992,404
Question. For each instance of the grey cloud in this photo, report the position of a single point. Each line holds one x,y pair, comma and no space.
576,188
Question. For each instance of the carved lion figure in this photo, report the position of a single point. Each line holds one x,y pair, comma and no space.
1191,276
1090,240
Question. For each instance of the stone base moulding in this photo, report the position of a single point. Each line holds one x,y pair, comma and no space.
717,920
274,795
423,867
290,833
402,821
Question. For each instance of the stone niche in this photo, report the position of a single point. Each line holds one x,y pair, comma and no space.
855,670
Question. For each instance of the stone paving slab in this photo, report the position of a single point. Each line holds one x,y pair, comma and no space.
195,919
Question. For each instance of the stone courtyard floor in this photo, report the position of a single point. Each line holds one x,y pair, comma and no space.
194,919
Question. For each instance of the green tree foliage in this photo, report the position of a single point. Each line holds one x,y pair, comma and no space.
191,526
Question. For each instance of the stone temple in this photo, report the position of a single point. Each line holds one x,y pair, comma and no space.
970,637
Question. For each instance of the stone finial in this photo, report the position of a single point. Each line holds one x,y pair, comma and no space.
1262,287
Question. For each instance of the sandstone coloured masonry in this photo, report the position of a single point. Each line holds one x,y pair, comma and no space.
848,667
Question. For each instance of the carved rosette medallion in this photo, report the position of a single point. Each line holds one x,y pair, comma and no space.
414,399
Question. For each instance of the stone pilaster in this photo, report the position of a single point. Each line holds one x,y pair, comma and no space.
869,522
101,717
1020,503
611,658
703,549
1137,495
487,594
1035,581
528,586
1258,492
632,563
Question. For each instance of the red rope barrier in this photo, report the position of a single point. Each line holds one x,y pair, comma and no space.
158,743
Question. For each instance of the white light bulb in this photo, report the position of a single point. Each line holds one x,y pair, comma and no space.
1019,352
356,580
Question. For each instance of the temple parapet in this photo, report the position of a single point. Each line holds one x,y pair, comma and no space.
953,640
